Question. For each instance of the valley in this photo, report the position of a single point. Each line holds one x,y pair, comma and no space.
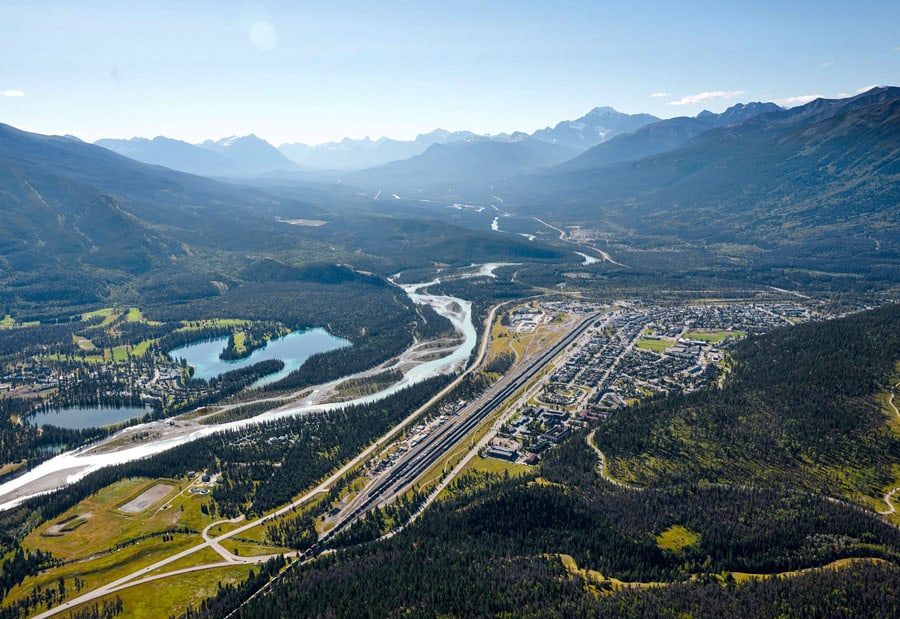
620,363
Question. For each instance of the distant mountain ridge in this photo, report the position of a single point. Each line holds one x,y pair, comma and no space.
349,154
463,164
173,154
471,167
663,135
228,157
253,156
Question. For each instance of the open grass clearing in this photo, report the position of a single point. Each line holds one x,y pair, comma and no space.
242,547
676,538
83,343
172,596
496,467
840,563
593,576
106,568
206,556
105,312
108,527
11,467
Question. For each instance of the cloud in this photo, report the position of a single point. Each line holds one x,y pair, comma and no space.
658,95
705,96
859,91
797,100
12,93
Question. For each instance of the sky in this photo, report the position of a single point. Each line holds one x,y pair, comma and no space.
320,71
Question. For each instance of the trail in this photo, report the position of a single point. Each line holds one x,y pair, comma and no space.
888,498
602,466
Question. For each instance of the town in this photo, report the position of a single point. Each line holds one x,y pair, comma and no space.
630,353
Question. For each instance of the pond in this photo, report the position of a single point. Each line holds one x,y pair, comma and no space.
293,349
79,418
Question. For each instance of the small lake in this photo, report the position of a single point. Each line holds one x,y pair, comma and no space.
293,349
78,418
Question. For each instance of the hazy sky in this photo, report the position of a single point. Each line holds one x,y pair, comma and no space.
318,71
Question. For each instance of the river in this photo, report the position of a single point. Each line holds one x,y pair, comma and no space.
69,467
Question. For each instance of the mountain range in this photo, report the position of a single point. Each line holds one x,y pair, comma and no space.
351,154
813,191
252,156
228,157
815,188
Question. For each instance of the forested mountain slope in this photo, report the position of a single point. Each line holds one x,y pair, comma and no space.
804,407
814,187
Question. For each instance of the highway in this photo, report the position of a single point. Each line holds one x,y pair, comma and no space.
407,470
382,489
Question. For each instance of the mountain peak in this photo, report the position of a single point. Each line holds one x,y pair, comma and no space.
598,125
603,110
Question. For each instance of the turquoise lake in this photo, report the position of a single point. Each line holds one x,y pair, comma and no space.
77,418
293,349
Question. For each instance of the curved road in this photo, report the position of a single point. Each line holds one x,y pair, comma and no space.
888,498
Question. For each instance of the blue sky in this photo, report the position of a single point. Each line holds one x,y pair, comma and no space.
312,72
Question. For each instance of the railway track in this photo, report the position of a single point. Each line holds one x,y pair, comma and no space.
409,468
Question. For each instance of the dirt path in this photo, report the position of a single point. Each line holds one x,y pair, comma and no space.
602,466
888,498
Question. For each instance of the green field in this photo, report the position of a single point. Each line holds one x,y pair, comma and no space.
714,337
655,345
170,596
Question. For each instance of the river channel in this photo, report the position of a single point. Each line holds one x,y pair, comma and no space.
69,467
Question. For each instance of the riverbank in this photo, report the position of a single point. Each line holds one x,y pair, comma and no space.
145,440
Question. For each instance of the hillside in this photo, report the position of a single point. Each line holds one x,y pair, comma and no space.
80,220
814,188
804,407
470,165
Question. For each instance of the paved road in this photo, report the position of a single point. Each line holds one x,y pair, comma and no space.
407,470
140,576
